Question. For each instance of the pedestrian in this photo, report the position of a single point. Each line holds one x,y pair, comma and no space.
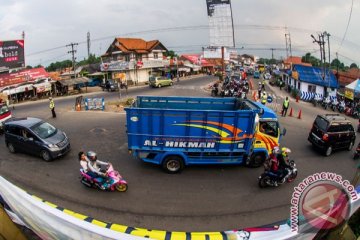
285,107
52,107
263,85
259,93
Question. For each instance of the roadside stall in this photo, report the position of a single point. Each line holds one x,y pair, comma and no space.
68,86
42,88
352,90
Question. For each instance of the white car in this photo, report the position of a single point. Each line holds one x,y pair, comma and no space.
267,76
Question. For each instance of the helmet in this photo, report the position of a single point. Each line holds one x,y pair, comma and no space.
91,155
276,150
285,151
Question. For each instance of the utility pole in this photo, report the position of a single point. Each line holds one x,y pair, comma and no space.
272,52
88,44
73,51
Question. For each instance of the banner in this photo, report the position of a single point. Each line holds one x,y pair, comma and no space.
94,104
22,76
12,54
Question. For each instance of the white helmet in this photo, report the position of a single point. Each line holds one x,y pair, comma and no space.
276,150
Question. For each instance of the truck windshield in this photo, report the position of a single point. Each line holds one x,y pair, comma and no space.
269,128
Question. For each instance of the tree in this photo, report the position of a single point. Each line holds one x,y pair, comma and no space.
170,54
311,59
354,65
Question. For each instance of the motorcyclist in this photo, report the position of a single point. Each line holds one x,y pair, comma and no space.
283,158
96,165
274,164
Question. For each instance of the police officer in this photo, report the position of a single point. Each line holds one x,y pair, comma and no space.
264,98
285,107
52,107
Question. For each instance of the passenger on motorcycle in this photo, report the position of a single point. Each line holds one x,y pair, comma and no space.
84,163
284,162
274,164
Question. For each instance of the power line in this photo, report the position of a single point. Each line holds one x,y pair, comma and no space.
347,27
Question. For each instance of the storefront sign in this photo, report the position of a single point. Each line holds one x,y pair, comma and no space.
295,75
22,76
349,94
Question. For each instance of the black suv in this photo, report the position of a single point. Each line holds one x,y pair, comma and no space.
36,137
332,131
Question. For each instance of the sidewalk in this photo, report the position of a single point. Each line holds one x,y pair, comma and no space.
94,90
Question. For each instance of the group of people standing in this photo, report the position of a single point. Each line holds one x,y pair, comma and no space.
262,95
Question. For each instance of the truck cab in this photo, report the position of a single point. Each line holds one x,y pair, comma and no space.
5,114
268,135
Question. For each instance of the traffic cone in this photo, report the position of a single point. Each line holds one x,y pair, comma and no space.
78,107
291,112
299,116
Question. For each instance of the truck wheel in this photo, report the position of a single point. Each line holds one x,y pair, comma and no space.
173,164
256,160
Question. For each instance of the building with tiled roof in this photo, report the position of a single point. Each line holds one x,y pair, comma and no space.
294,60
135,57
347,77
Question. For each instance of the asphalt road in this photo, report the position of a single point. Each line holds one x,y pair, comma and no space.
201,198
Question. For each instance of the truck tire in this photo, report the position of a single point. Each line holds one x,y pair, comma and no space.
256,160
173,164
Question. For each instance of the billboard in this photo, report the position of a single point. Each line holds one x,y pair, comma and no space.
12,54
22,76
220,23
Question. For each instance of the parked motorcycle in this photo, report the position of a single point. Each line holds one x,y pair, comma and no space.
114,181
270,179
334,105
325,103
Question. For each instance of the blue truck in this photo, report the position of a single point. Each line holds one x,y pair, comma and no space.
178,131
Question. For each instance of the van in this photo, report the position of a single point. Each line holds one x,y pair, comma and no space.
330,132
36,137
159,81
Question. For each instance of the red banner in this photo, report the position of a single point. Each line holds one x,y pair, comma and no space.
27,75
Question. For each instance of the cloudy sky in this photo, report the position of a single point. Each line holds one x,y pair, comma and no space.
181,26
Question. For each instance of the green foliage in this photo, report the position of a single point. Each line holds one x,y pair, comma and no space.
59,65
170,54
354,65
91,60
311,59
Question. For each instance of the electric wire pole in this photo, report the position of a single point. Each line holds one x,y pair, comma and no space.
73,51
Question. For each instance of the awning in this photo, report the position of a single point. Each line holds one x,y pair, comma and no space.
42,87
69,82
96,74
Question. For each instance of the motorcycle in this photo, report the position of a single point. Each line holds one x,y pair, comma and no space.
334,104
268,178
114,182
325,103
